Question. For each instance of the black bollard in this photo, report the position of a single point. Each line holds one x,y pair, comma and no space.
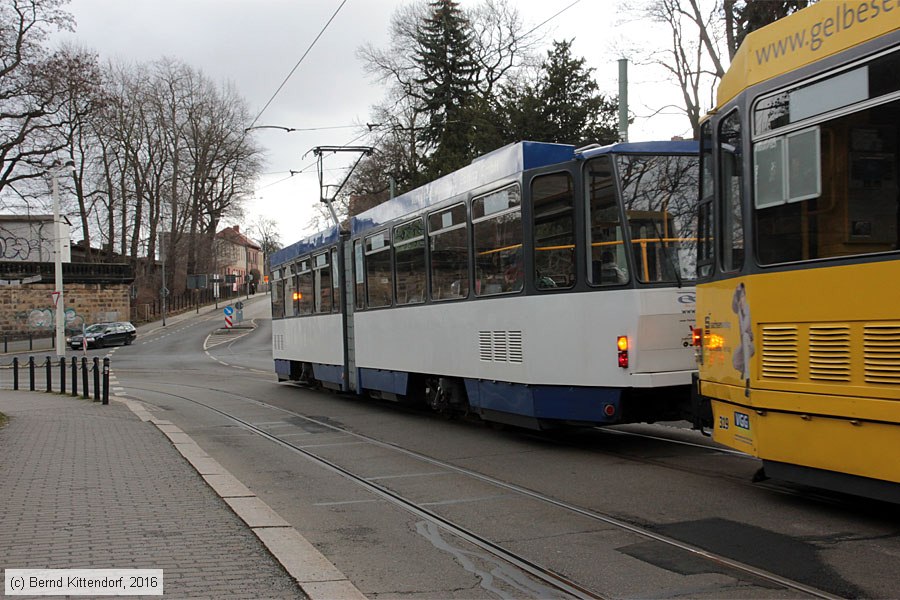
49,368
30,373
106,380
84,378
74,377
96,379
62,375
15,372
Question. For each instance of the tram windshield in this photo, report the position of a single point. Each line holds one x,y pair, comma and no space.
659,193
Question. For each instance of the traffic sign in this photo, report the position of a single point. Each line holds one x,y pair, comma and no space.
228,310
239,305
55,296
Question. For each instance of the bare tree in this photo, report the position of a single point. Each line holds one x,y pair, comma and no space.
30,88
703,36
81,76
265,232
692,54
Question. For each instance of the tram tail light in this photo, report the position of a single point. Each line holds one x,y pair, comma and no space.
697,343
696,336
622,347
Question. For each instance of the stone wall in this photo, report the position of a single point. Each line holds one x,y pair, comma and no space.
28,309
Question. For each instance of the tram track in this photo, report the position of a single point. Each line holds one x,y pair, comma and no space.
543,574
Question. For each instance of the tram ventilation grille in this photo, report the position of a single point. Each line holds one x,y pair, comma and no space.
829,353
779,352
278,342
500,346
882,353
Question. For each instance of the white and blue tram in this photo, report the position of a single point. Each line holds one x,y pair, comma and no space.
542,285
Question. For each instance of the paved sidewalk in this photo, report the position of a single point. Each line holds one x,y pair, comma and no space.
92,486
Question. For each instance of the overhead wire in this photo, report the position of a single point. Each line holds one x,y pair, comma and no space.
304,168
283,83
536,27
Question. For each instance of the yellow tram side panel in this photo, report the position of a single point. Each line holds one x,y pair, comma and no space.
808,35
803,366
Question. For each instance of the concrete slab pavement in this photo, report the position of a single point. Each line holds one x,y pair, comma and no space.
92,486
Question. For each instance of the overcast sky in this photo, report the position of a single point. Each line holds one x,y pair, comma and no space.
255,43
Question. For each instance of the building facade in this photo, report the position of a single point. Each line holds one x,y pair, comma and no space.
240,257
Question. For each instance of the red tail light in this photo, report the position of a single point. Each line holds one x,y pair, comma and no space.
622,346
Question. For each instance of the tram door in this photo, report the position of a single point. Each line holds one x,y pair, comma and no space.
352,272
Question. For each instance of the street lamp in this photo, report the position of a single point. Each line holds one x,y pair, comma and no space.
57,261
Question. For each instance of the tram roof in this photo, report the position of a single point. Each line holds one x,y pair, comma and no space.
486,169
501,163
670,147
307,244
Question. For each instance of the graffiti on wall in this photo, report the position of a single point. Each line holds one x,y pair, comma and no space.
45,319
26,242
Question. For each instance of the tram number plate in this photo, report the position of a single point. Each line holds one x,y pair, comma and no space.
742,420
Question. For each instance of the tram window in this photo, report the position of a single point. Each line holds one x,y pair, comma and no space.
335,280
806,100
278,298
409,261
608,263
553,214
359,276
732,192
786,168
304,277
290,286
324,295
378,270
497,232
851,208
449,240
659,195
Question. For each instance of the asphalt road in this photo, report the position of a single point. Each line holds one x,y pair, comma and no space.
690,491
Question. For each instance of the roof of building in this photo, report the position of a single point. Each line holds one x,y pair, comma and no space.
234,235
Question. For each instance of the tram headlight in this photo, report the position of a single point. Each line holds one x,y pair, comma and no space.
622,347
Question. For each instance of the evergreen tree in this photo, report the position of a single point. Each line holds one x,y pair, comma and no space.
563,105
444,55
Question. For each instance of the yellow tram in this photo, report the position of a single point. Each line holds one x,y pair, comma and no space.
798,301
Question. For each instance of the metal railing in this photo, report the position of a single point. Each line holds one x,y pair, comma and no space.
32,370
